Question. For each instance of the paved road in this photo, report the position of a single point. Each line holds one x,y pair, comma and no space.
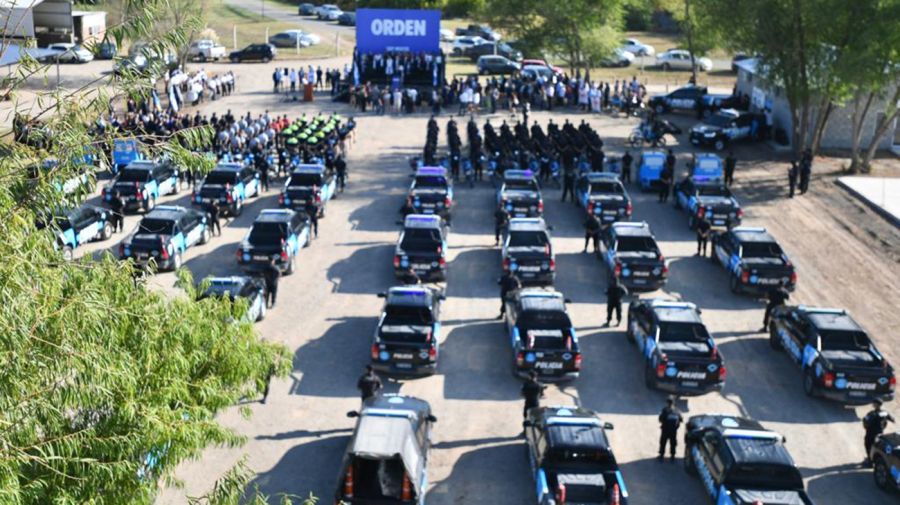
281,12
327,310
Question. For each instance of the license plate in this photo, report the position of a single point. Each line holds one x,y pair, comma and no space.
421,266
429,211
640,281
529,269
206,200
767,281
857,394
544,365
639,273
528,274
520,214
719,222
142,256
260,257
609,213
403,365
695,141
402,356
690,384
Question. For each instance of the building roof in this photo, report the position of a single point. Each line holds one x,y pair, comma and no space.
14,53
748,65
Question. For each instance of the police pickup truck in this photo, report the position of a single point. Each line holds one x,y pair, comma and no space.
885,457
422,246
229,184
571,458
602,194
277,234
650,168
754,261
308,183
78,226
541,334
527,250
251,289
406,337
142,183
386,460
686,98
431,192
520,194
710,199
679,354
741,463
726,126
163,236
838,359
632,256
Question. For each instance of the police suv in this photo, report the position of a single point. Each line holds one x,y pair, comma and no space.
571,458
75,227
632,255
163,236
705,198
741,463
431,192
308,183
229,184
650,168
142,183
885,457
406,337
602,194
527,250
838,359
422,246
251,289
679,353
541,334
755,262
726,126
277,234
686,99
520,194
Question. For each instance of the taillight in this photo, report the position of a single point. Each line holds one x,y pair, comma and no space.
281,199
590,208
661,370
348,482
318,197
432,354
828,379
578,362
540,206
561,494
520,358
375,351
740,213
406,488
239,253
138,194
121,249
396,261
506,264
439,249
723,372
615,497
442,262
164,252
447,202
892,382
628,209
793,277
665,270
552,264
715,353
745,276
617,271
229,197
284,256
701,212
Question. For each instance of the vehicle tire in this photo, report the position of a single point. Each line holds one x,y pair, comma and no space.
629,335
735,287
238,207
881,475
262,312
661,141
689,467
266,59
322,211
204,237
774,343
235,59
107,231
151,203
177,261
660,108
666,66
291,266
809,386
202,58
719,145
68,253
308,239
175,188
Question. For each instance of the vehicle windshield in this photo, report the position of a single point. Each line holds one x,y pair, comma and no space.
267,233
841,340
431,181
407,314
683,332
156,226
720,120
528,239
767,476
417,239
713,190
761,250
636,244
526,184
606,188
134,175
220,177
545,320
305,180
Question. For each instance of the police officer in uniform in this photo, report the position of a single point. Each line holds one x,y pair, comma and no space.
369,384
508,283
271,274
614,294
501,221
793,174
312,210
532,390
730,165
340,167
777,297
569,183
212,211
117,212
670,420
666,177
626,166
592,227
874,423
703,231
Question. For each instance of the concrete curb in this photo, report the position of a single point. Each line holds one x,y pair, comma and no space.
881,211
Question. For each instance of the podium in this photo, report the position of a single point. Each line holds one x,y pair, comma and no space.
307,92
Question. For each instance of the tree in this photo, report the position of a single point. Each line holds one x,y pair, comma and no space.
107,384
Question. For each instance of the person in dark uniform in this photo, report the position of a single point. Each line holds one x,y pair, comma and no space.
212,212
614,294
874,423
508,283
776,297
269,377
501,221
312,210
407,209
626,166
703,231
340,167
670,420
568,184
262,166
532,390
271,274
592,228
805,171
117,212
730,165
698,105
369,384
665,178
793,173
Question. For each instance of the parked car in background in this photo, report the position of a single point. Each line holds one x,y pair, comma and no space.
71,53
679,59
482,31
329,12
618,58
347,19
205,49
532,72
105,50
494,48
293,38
462,44
638,48
489,65
306,9
260,52
447,35
542,63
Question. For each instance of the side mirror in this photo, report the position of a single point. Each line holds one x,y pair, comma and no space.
568,300
431,418
608,426
352,414
382,295
527,424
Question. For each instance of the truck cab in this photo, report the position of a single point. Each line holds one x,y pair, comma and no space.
406,340
527,250
602,194
431,192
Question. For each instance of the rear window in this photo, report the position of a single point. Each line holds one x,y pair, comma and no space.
134,175
431,181
606,187
221,177
683,332
761,250
528,239
420,238
267,233
545,320
771,476
156,226
713,191
720,120
833,340
526,184
635,244
305,180
405,314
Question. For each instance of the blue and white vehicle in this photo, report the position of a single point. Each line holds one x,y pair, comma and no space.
571,458
77,226
251,289
679,354
164,235
79,182
422,246
142,183
741,463
632,255
602,194
431,192
703,195
885,458
230,184
527,250
650,168
755,262
276,234
407,337
520,194
542,336
125,152
308,183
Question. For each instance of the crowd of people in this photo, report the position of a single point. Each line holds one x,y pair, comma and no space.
294,80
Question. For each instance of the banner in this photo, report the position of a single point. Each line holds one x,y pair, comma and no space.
382,30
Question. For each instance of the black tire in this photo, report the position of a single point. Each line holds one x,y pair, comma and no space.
107,231
666,66
629,335
688,461
881,475
809,386
262,312
735,286
202,58
175,188
68,253
266,59
660,108
238,207
774,343
235,59
151,203
291,266
177,261
204,237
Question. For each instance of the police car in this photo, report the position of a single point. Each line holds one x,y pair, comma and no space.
142,183
838,359
431,192
755,262
277,234
308,183
80,181
230,184
602,194
422,246
520,194
407,337
77,226
632,255
163,236
650,168
703,195
679,353
251,289
541,334
527,250
726,126
686,99
571,458
741,463
885,457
